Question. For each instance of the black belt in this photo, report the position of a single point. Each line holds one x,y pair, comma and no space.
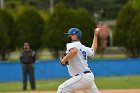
85,72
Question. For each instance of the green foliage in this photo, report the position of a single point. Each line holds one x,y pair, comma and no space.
29,27
6,33
86,23
127,29
54,28
17,9
44,14
61,21
124,23
110,7
135,3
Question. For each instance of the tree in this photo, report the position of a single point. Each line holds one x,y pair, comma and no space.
29,27
86,24
61,21
6,33
106,9
127,29
134,35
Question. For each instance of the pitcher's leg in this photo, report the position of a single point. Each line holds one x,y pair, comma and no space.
69,86
92,89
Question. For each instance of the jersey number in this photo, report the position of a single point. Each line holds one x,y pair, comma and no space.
84,54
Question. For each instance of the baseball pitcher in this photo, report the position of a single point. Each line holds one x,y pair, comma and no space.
82,77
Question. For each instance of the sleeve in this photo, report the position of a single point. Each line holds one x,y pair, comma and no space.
34,56
90,52
69,46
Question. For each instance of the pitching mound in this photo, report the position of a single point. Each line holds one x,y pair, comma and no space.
102,91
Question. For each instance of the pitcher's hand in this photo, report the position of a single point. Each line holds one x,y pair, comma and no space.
97,31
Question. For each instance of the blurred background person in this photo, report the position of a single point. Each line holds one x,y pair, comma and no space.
27,58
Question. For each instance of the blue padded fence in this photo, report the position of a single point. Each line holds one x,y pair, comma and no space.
11,71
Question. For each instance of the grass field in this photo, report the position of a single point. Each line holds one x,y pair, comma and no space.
127,82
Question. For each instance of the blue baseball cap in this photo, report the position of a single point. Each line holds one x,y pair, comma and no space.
74,31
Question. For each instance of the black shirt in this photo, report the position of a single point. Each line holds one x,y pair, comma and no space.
27,57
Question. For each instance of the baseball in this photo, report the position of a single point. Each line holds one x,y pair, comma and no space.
97,29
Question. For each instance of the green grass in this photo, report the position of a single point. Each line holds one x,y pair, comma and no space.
127,82
42,85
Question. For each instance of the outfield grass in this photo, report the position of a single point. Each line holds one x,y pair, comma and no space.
124,82
127,82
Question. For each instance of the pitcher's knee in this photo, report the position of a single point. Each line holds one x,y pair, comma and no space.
62,89
59,90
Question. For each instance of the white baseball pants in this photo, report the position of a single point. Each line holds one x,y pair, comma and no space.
83,82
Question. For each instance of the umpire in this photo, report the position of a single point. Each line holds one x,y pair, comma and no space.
27,58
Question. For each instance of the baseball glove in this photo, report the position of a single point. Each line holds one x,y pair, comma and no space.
62,55
66,63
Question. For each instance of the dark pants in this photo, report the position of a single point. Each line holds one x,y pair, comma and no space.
28,70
